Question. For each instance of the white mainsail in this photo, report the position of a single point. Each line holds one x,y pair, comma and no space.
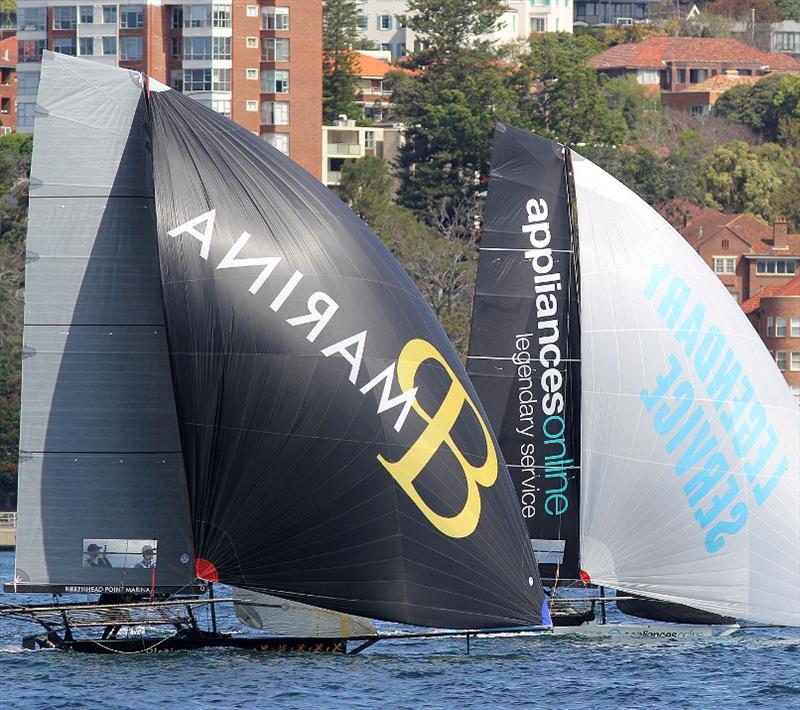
690,435
282,616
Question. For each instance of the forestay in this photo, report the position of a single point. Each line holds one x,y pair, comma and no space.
691,437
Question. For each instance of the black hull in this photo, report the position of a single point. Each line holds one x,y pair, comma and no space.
158,644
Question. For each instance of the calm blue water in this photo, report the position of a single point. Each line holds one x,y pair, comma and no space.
755,668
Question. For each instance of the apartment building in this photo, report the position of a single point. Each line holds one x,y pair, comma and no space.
344,142
8,85
382,25
775,314
258,63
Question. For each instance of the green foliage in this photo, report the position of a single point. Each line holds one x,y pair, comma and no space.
770,106
789,8
738,177
626,97
366,185
766,10
566,102
446,26
622,34
15,151
340,34
639,168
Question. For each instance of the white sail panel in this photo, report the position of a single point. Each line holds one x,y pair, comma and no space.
691,436
281,616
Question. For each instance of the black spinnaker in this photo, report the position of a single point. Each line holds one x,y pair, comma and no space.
335,451
524,352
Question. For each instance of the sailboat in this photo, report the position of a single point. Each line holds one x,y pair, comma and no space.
653,442
228,379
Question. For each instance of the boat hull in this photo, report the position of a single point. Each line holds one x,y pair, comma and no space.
653,632
158,644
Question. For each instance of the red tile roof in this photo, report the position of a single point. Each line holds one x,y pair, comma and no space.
790,288
8,52
652,52
369,67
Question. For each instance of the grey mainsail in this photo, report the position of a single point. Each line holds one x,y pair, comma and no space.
101,471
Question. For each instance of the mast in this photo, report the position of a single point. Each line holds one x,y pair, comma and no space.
524,355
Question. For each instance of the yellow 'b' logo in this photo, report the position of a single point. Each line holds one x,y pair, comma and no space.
438,432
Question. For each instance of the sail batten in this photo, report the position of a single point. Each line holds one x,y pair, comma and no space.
336,453
524,356
101,469
691,438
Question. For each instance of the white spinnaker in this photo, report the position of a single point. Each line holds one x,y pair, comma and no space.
726,424
281,616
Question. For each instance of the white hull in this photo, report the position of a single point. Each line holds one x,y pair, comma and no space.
655,632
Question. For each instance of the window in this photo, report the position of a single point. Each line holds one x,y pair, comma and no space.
780,327
197,16
30,50
274,18
222,106
384,22
110,14
795,322
87,15
109,45
369,139
780,359
132,17
698,110
386,47
780,267
770,326
251,42
725,264
32,19
726,244
275,49
222,18
363,21
176,79
64,45
251,105
86,46
176,47
681,76
401,50
251,73
787,42
130,48
197,80
252,11
794,361
27,83
64,18
275,81
222,80
25,114
197,48
539,24
222,49
5,105
277,140
176,18
697,75
275,113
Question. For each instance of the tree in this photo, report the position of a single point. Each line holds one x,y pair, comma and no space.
789,8
738,177
770,106
366,185
766,10
565,102
450,107
626,97
447,26
340,34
